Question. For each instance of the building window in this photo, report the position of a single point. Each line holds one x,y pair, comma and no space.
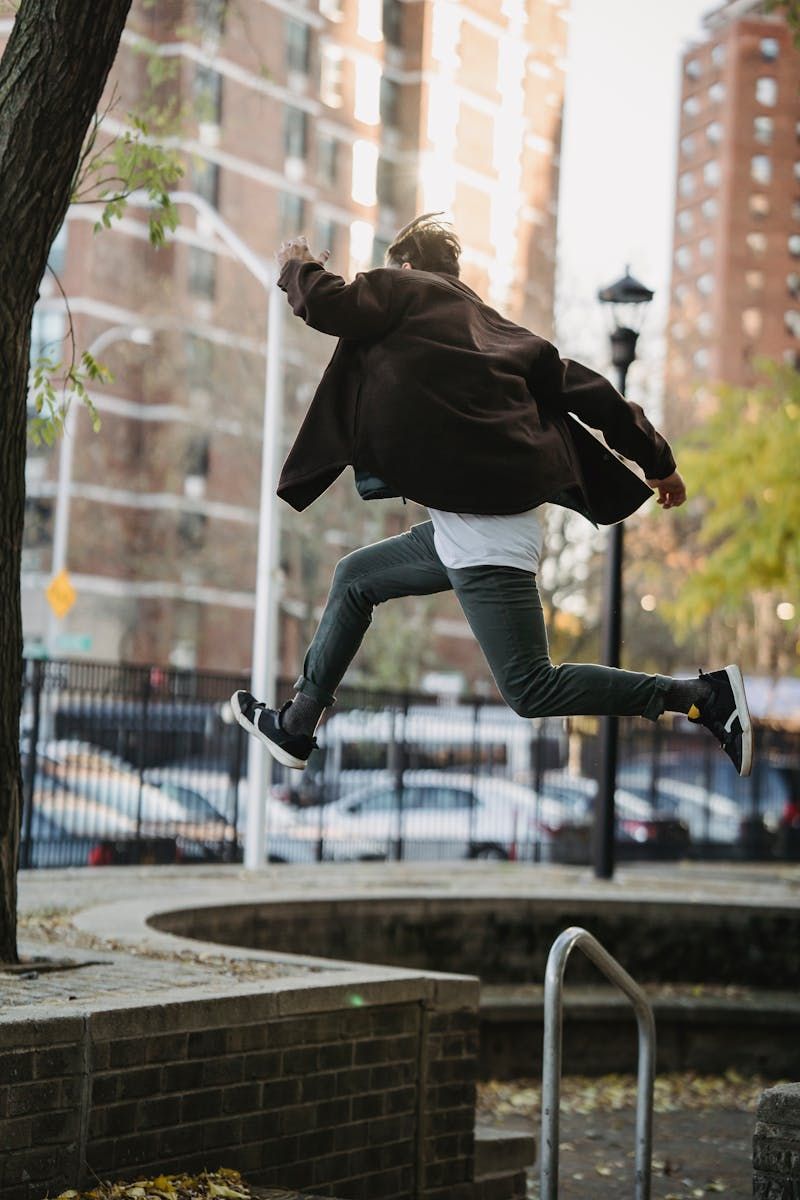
367,102
691,106
793,284
291,213
757,242
683,257
330,76
209,16
295,132
298,45
754,280
390,103
324,236
192,530
369,20
718,55
686,184
716,93
791,319
704,323
796,170
386,183
762,130
752,322
794,245
686,220
38,531
770,49
57,258
205,179
365,165
332,9
379,248
711,173
700,359
679,331
759,205
199,353
796,210
706,247
714,132
705,285
709,208
761,168
48,330
207,95
767,91
393,22
202,278
327,158
680,292
694,68
196,454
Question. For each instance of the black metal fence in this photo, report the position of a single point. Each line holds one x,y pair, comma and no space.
125,764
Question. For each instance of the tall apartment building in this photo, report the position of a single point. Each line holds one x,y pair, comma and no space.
338,118
736,262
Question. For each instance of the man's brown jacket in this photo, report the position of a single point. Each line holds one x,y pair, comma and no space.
453,406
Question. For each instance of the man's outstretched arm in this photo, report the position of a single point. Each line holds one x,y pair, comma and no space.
597,403
361,309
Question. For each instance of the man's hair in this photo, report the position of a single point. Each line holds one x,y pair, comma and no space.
427,244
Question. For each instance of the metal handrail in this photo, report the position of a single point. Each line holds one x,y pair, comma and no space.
551,1066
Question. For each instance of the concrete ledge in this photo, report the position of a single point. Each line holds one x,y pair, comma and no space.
776,1144
502,1151
757,1032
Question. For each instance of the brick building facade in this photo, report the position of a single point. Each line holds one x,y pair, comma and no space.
735,292
338,118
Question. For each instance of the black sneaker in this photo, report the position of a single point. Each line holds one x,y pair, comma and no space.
291,749
726,715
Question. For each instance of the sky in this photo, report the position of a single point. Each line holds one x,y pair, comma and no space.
618,158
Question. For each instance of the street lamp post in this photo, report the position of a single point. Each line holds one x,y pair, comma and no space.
627,299
141,336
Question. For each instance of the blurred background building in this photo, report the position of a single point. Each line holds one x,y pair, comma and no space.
341,119
735,293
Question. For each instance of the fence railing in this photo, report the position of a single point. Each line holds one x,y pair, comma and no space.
138,764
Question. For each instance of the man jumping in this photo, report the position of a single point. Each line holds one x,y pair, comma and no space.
432,395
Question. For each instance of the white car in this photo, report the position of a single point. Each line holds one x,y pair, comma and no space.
438,815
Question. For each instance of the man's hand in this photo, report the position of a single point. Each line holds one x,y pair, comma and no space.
298,248
671,491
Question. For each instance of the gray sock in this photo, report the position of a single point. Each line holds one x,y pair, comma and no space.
683,693
302,715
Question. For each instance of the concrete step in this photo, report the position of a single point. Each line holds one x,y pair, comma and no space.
502,1151
701,1029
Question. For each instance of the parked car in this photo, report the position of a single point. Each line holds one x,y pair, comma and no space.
92,793
439,815
638,824
287,840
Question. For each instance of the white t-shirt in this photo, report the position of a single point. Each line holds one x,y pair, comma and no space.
467,540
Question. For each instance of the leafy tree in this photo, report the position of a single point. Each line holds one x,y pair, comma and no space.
741,466
52,75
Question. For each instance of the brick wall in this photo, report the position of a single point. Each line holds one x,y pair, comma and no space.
365,1090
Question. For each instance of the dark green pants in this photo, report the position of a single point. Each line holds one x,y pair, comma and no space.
504,611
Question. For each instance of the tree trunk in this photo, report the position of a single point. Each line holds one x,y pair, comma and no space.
52,76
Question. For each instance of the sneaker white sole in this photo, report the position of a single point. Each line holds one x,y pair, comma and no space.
278,753
743,713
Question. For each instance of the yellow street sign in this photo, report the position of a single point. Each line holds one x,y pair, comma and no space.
61,595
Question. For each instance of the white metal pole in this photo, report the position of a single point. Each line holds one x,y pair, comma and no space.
266,619
141,336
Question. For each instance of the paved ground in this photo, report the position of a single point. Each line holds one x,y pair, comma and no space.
97,913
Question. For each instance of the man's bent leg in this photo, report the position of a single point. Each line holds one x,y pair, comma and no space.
406,565
504,610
